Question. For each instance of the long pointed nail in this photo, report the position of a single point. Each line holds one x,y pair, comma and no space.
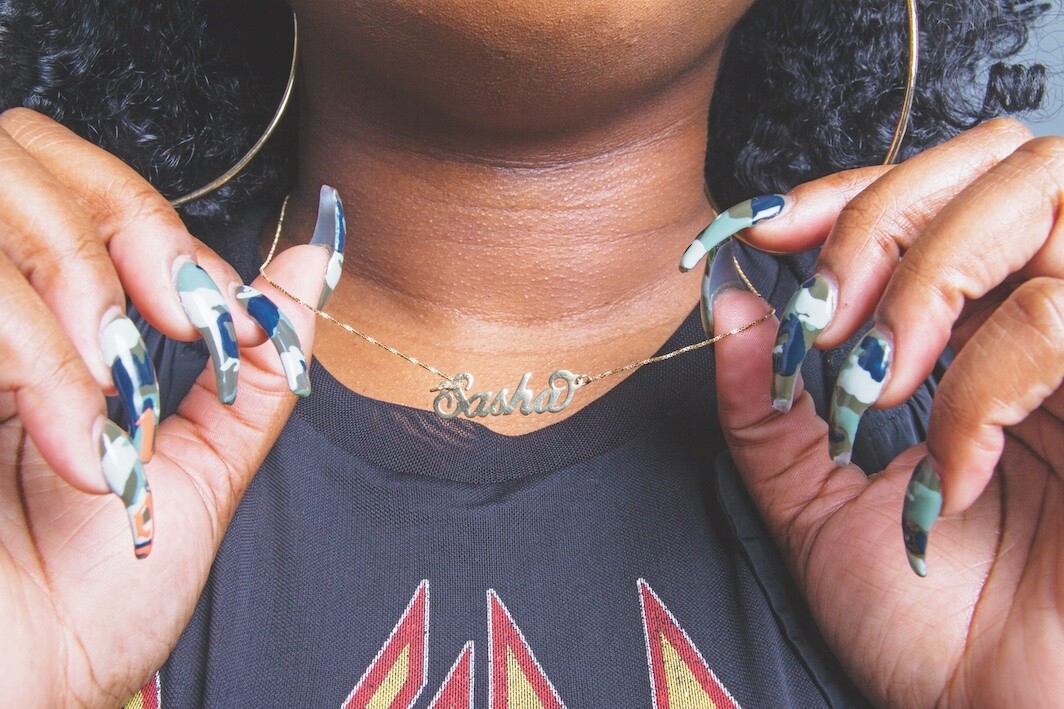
923,503
282,334
135,380
734,219
805,317
330,232
124,474
861,381
209,314
720,276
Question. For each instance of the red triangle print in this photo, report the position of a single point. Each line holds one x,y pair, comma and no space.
679,675
457,689
398,673
515,678
149,696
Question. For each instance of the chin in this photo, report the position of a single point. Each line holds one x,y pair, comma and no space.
516,65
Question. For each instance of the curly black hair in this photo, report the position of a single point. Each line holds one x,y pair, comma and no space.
824,82
818,84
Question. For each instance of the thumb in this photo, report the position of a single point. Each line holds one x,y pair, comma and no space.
783,458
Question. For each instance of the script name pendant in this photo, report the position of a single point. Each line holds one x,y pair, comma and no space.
456,398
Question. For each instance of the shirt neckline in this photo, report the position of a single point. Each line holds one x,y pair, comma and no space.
412,441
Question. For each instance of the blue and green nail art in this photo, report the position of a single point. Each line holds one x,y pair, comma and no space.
208,312
730,221
805,317
134,378
124,474
860,384
282,334
923,503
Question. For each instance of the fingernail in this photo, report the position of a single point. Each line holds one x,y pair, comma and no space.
125,476
330,232
861,381
134,378
804,318
720,276
923,503
734,219
282,334
209,314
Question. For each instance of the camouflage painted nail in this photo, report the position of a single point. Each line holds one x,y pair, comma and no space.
861,381
330,232
135,380
282,334
124,474
923,503
207,311
734,219
804,318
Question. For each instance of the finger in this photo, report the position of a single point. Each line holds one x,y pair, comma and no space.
860,254
59,403
145,238
970,250
811,210
55,248
781,456
866,239
883,221
1013,363
147,244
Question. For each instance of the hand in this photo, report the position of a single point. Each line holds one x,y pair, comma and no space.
85,621
960,245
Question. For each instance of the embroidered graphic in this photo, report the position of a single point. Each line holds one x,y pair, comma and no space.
679,675
515,678
149,697
456,692
398,673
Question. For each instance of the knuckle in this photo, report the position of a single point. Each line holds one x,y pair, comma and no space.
854,180
13,118
876,215
1047,152
128,198
1038,306
48,265
52,364
958,402
33,130
1007,128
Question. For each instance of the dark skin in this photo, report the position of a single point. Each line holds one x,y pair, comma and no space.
520,180
512,195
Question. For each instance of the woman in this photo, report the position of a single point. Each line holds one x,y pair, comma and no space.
521,180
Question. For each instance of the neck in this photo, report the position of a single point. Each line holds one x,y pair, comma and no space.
505,250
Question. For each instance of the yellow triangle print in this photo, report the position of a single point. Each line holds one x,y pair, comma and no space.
393,682
685,692
519,691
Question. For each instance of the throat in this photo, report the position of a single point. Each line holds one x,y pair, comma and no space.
500,256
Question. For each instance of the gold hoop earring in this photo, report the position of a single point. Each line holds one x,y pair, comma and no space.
910,83
261,142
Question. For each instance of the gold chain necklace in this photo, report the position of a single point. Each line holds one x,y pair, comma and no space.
455,395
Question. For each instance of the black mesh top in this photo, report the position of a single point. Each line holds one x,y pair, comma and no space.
612,559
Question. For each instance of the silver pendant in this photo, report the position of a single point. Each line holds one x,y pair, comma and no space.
456,398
